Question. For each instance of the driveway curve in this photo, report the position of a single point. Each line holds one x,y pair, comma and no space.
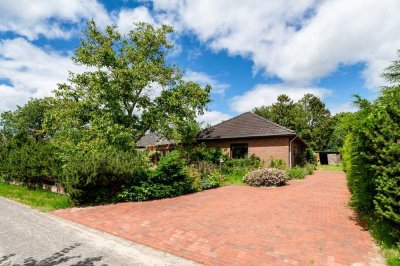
307,222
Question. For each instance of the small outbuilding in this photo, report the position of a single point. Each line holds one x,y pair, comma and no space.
328,157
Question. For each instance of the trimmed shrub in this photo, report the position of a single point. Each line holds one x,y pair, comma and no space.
30,162
266,177
97,176
371,155
297,172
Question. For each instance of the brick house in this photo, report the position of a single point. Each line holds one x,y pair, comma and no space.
248,134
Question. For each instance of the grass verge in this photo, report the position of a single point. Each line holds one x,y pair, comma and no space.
36,198
382,233
337,167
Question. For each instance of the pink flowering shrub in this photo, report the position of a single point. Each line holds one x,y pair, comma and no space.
266,177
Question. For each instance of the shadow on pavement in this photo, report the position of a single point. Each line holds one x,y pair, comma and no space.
57,258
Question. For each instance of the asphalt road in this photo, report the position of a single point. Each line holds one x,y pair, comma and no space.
29,237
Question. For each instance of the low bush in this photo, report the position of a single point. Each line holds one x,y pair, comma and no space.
97,176
297,172
205,176
241,166
170,179
266,177
277,163
310,168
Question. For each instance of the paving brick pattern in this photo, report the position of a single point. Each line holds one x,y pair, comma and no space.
305,223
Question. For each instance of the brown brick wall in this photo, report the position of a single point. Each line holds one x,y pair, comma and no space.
264,148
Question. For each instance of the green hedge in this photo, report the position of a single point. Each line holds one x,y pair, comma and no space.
371,157
28,161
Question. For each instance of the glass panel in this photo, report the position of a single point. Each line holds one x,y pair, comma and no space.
239,150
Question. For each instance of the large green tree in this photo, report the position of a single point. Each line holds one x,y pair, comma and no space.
308,117
128,88
283,112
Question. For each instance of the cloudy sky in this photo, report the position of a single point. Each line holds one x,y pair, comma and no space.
248,51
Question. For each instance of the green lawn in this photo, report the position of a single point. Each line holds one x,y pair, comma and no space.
338,167
36,198
381,232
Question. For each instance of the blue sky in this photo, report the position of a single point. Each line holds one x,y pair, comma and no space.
249,51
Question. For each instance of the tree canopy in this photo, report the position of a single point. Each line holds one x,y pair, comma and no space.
308,117
129,85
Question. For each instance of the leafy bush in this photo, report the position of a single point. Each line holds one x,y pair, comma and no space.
300,160
97,176
297,172
241,166
266,177
206,176
277,163
310,168
211,155
310,157
170,179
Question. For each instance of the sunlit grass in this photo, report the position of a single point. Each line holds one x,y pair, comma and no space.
36,198
383,235
337,167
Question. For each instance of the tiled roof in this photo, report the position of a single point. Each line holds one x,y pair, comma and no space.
152,139
244,125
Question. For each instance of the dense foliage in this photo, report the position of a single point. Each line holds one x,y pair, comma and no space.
171,178
84,137
266,177
371,153
298,172
309,117
371,156
241,166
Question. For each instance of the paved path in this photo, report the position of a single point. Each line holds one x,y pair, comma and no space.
305,223
28,237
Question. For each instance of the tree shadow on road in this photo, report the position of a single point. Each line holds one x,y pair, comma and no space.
57,258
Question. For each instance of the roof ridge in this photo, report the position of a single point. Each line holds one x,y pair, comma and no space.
222,122
269,121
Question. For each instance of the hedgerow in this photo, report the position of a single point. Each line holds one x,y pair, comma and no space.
371,157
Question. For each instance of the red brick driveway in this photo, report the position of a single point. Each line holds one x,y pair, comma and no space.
305,223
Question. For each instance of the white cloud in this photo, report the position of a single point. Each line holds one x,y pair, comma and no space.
126,18
46,17
296,40
344,107
31,71
204,79
213,117
266,94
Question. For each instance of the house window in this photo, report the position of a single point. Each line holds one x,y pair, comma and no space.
239,150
